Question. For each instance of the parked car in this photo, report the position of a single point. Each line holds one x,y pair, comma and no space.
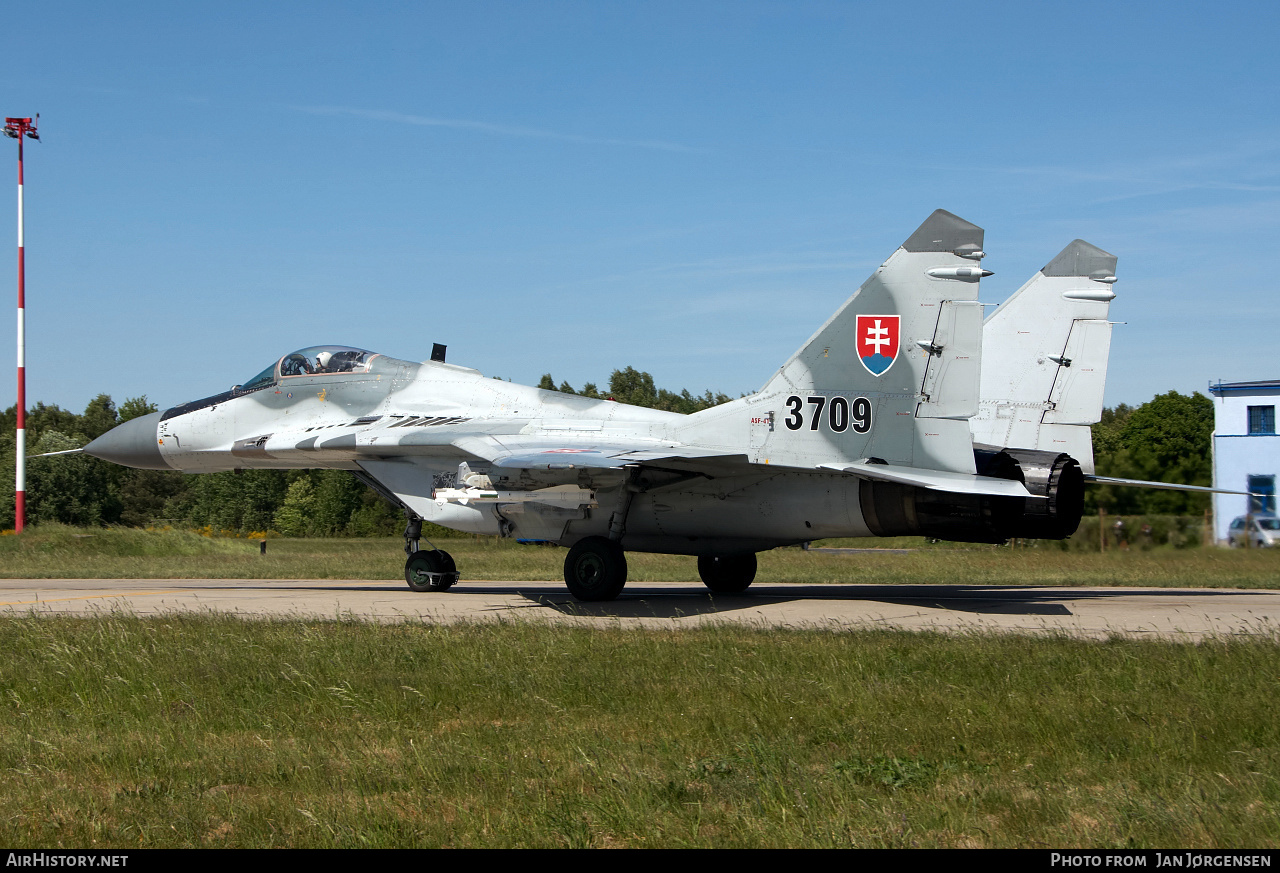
1263,533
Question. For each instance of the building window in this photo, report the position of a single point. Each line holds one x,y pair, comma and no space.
1262,494
1262,419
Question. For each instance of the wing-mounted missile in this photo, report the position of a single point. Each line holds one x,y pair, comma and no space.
567,496
475,487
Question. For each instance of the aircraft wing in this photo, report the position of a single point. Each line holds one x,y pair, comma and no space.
551,452
711,463
539,468
554,457
470,442
936,480
615,457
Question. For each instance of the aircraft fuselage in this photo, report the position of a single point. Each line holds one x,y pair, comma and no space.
340,421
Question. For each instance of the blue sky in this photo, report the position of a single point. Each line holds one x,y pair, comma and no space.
686,188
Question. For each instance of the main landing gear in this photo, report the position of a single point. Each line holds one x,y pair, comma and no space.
727,574
426,569
595,569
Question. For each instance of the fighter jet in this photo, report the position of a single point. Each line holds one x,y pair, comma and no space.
865,431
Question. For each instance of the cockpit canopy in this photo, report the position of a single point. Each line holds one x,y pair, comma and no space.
314,361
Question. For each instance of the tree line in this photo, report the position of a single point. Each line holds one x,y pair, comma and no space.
1165,439
84,491
636,388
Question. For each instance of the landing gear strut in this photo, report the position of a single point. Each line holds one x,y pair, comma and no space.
596,568
426,569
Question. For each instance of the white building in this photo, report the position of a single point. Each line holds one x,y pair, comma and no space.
1246,449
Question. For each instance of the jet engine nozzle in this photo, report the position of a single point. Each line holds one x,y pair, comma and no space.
132,444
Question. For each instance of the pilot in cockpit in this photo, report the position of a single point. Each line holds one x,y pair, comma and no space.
295,365
322,362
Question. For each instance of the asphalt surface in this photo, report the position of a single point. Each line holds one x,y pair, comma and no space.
1172,613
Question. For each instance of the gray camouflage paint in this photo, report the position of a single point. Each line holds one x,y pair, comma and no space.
733,478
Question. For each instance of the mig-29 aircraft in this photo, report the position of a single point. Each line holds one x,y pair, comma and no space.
865,431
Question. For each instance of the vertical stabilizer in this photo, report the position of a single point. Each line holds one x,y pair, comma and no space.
894,373
1045,355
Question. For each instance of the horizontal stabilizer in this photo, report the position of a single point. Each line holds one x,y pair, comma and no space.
1165,486
935,480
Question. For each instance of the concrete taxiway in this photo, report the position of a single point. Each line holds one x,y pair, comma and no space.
1173,613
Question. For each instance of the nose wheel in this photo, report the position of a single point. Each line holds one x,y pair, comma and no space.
430,570
426,569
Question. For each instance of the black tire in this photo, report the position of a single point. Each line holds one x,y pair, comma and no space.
595,569
424,562
727,574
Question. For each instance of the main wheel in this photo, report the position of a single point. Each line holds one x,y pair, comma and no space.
430,570
727,574
596,569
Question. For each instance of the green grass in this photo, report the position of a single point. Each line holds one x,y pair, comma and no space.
53,552
212,731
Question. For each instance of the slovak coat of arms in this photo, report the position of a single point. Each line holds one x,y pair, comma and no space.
878,342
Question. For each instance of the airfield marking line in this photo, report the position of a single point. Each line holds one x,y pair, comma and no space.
83,597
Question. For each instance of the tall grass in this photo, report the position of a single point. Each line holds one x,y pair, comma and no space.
210,731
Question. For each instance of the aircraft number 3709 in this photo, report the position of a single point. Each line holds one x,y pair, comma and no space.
841,413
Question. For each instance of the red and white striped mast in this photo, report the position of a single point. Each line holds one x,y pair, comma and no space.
17,128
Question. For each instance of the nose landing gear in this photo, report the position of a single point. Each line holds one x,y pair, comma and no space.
426,569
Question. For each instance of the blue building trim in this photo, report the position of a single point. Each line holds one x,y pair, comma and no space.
1243,387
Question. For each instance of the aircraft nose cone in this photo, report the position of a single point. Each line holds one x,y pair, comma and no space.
132,444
